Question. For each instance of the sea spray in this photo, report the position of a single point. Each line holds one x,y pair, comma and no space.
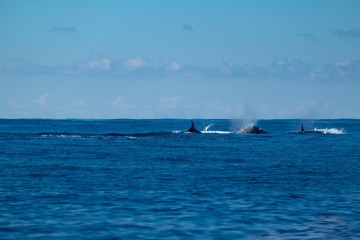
330,130
207,127
238,124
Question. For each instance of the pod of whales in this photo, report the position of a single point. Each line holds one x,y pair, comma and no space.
251,129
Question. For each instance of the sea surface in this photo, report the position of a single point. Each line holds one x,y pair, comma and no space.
149,179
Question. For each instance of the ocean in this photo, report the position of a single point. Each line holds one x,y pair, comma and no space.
149,179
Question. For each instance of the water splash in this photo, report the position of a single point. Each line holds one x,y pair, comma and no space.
217,132
330,130
207,127
239,125
206,130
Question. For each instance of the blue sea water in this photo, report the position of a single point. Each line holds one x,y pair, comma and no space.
148,179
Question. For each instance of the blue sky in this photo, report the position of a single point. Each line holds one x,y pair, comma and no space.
180,59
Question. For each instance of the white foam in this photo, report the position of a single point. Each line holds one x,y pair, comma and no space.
60,136
132,137
329,130
216,132
176,131
206,130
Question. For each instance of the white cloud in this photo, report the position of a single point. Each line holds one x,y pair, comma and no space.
279,62
42,100
306,106
14,103
307,36
351,33
342,64
120,104
170,102
64,29
79,103
103,64
228,68
174,67
188,27
232,69
133,63
279,68
294,70
344,70
316,109
117,102
314,74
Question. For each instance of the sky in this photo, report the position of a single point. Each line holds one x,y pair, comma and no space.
237,59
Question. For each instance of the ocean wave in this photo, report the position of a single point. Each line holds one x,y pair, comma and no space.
60,135
102,136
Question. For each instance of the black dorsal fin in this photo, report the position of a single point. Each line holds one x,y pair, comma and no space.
192,129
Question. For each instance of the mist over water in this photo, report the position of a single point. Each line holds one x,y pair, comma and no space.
239,124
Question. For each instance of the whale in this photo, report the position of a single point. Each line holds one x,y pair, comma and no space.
252,129
302,131
192,129
249,129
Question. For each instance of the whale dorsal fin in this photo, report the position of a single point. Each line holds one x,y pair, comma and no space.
192,129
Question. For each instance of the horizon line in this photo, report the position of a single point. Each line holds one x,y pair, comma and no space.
257,119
